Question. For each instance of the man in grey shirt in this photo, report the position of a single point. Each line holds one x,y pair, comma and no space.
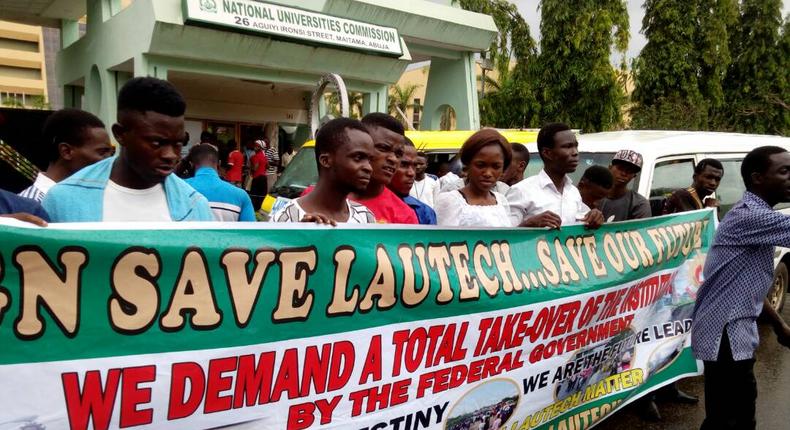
623,204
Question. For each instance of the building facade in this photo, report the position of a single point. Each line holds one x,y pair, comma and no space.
248,68
23,71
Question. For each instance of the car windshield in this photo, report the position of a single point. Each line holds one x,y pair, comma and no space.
300,174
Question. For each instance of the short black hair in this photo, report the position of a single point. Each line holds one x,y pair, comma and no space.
422,154
378,119
547,133
712,162
519,150
333,134
67,126
150,94
758,161
203,153
599,175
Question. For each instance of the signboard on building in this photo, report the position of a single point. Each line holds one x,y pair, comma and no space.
292,23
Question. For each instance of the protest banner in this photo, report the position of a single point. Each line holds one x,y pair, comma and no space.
173,326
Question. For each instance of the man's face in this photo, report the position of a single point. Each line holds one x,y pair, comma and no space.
403,179
564,156
515,172
351,162
591,193
150,144
388,150
420,166
708,180
623,173
776,180
95,147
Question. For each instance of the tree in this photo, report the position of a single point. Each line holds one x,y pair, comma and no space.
509,100
577,81
401,98
756,88
355,104
666,86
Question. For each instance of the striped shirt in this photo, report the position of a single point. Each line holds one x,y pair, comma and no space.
292,212
274,160
39,189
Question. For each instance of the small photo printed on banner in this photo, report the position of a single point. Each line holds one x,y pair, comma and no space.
665,354
590,366
487,406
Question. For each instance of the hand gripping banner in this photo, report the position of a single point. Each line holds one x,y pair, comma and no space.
173,326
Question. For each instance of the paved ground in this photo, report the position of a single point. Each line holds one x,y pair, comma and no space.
773,402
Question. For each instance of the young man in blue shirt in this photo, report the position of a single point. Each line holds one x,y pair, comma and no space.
738,274
139,184
403,181
228,202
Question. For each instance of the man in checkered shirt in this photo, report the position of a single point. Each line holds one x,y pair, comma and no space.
738,275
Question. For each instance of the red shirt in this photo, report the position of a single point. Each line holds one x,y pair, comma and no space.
387,207
260,159
236,162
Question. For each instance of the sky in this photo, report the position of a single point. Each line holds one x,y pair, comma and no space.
529,9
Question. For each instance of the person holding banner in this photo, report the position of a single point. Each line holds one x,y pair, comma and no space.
549,199
485,155
343,150
738,274
22,209
139,184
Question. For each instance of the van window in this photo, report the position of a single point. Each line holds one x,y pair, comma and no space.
668,176
731,187
671,175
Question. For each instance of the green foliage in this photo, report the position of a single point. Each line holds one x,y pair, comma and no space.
577,81
756,89
401,98
38,102
509,100
355,101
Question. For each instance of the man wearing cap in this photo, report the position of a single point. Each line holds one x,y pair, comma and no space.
622,203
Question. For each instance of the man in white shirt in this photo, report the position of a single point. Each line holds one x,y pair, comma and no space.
425,187
73,139
549,199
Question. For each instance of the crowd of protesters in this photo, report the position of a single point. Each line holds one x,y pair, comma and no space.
370,172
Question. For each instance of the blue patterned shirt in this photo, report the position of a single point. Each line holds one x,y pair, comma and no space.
738,274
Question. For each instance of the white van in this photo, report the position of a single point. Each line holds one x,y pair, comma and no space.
669,160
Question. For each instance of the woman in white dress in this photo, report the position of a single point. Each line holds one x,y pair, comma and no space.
485,156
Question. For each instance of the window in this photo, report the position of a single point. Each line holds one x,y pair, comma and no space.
668,176
416,116
731,187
